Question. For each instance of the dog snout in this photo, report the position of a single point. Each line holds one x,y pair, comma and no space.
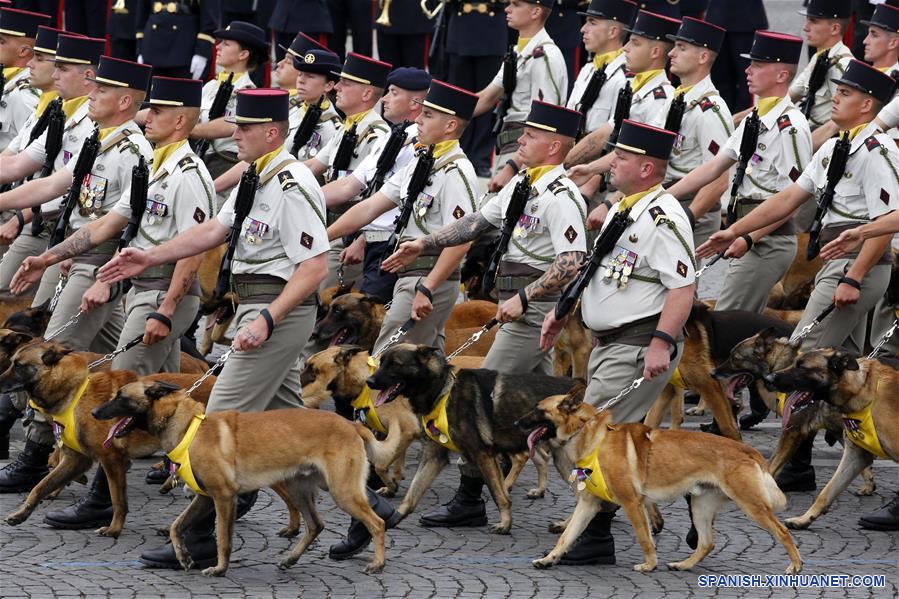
372,382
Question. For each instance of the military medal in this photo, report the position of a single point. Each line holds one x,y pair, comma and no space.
424,202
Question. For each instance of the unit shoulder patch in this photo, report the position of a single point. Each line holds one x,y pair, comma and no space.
707,104
538,52
286,180
872,144
659,93
784,122
186,163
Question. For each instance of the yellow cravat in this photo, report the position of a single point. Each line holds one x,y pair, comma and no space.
162,153
223,76
522,42
70,106
854,131
325,105
354,119
10,72
538,171
104,133
444,147
641,79
628,202
264,160
601,60
683,89
44,101
766,104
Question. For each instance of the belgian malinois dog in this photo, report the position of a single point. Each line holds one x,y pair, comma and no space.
863,392
298,449
642,466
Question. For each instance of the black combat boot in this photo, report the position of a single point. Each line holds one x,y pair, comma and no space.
758,411
8,416
467,508
358,537
886,518
27,470
157,476
91,511
595,545
798,474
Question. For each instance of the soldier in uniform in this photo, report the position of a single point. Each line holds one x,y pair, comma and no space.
293,16
882,42
362,82
427,288
355,16
867,190
122,28
404,42
279,261
541,74
740,20
18,28
637,302
783,149
176,36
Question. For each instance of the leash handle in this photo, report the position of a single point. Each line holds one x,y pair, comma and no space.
66,325
473,339
116,352
708,264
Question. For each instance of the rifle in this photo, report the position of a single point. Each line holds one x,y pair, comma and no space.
216,111
605,243
140,180
835,172
622,111
89,150
54,123
388,156
344,153
510,80
243,203
417,183
815,81
588,98
520,196
747,149
307,126
2,81
676,113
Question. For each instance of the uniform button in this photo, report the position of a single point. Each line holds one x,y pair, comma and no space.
154,25
175,27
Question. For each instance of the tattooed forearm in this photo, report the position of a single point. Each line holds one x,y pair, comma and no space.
182,279
589,148
465,229
75,244
559,274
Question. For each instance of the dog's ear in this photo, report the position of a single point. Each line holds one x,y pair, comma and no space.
574,398
346,354
841,361
14,340
160,389
425,353
52,355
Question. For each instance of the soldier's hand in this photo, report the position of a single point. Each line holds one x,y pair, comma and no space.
96,295
128,263
403,256
499,180
597,217
29,273
9,231
845,243
581,173
737,249
155,330
251,336
718,242
421,306
65,266
845,295
353,253
657,359
509,310
550,330
198,66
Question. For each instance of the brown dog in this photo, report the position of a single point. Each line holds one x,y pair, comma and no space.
641,466
234,453
53,376
864,393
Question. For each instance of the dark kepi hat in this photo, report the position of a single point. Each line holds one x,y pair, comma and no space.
622,11
172,91
553,118
654,26
771,46
828,9
865,78
301,44
77,49
643,139
21,23
116,72
409,78
885,17
263,105
699,33
46,40
316,60
245,34
450,99
364,69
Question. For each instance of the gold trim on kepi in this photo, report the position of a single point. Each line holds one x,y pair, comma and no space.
246,120
165,102
354,78
13,33
450,99
553,118
436,107
539,126
643,139
260,105
630,149
106,81
69,60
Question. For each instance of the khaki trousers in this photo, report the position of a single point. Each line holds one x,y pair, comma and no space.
428,331
516,348
750,279
24,246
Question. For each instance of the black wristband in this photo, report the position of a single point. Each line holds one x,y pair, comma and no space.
690,217
607,204
748,239
21,219
667,339
511,163
850,281
420,287
523,296
161,318
267,316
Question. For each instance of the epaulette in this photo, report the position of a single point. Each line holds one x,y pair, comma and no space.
872,144
783,122
656,213
538,52
186,163
659,93
705,104
557,185
286,180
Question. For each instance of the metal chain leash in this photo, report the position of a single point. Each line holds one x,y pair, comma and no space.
886,337
709,264
116,352
473,339
60,284
632,387
808,328
222,359
340,279
400,333
66,325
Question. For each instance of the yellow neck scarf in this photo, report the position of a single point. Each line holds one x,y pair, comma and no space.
162,153
601,60
588,473
632,199
264,160
354,119
765,105
223,76
364,407
10,72
444,147
104,133
522,42
44,101
69,107
538,171
684,89
325,105
641,79
854,131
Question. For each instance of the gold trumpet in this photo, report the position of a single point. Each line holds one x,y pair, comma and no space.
430,14
384,18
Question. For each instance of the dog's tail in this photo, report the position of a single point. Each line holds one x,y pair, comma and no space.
776,498
381,453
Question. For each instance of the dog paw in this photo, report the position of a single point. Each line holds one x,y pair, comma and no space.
866,490
386,491
644,567
288,532
543,564
695,411
215,571
374,568
536,493
558,527
16,518
500,529
286,563
794,569
108,531
186,562
679,566
799,523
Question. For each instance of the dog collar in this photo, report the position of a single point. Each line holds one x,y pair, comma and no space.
436,424
588,475
781,399
364,409
859,427
180,456
64,422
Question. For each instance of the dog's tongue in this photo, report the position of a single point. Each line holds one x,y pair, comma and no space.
732,386
338,337
114,430
789,402
534,437
384,395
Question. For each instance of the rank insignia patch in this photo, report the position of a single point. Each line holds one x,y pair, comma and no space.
199,215
659,93
306,240
458,212
286,179
538,52
871,143
705,104
794,174
186,163
714,147
655,212
570,234
681,269
784,122
884,196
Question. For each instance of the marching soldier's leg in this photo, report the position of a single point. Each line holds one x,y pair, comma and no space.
885,314
427,331
47,287
24,246
30,466
82,335
516,348
750,279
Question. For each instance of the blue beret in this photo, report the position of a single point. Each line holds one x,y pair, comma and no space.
409,78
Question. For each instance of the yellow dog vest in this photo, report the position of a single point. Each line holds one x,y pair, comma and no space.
64,422
364,408
677,380
859,427
588,472
180,456
436,424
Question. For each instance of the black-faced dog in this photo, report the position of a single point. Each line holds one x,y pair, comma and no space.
472,412
351,319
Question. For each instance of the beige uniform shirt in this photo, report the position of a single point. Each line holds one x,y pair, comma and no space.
870,185
648,101
225,144
110,177
77,128
369,132
327,127
658,250
783,150
604,107
449,195
18,103
705,128
366,170
839,57
541,75
286,223
180,196
553,221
